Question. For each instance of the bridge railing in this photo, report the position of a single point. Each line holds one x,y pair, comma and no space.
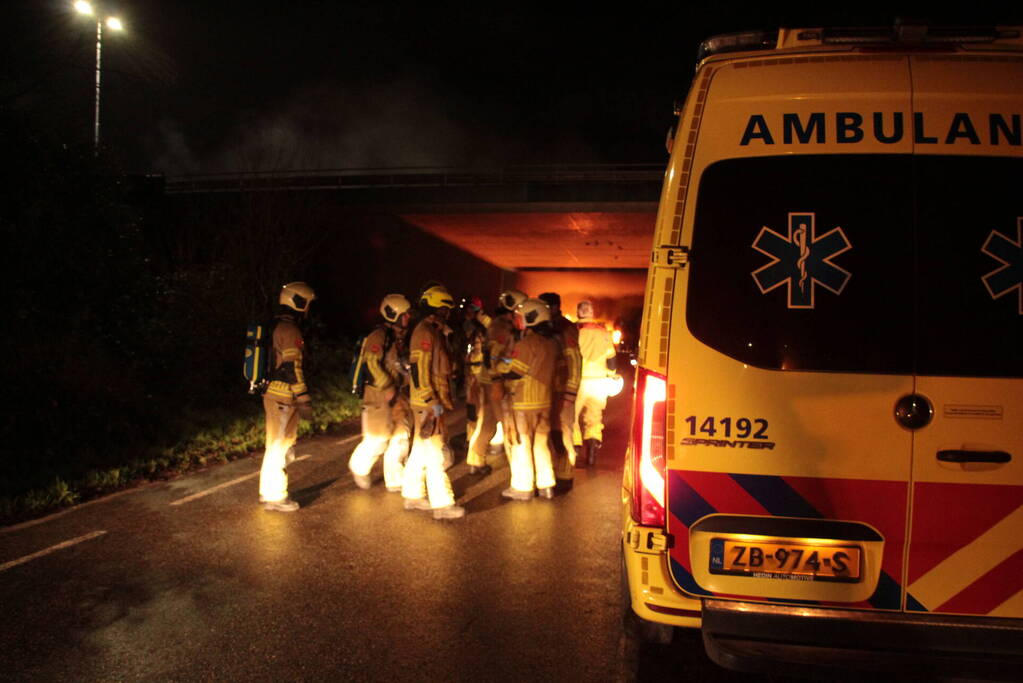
371,178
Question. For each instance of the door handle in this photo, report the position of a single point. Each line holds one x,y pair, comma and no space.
974,456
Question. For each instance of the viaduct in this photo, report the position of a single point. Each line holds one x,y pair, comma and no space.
584,231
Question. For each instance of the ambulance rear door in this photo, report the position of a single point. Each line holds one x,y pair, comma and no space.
966,549
797,338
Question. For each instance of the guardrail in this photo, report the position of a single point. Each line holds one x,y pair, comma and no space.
381,178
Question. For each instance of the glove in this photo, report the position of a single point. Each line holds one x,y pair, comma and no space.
438,409
305,410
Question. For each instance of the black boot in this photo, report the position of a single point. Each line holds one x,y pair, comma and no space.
592,446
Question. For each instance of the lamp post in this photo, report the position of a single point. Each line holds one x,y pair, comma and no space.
112,23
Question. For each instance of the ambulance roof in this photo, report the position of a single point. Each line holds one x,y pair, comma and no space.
903,35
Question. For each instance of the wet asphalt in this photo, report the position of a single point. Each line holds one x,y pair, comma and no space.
191,579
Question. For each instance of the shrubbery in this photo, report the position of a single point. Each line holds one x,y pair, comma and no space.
123,338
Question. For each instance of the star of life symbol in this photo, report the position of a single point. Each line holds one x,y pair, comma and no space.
1009,276
802,260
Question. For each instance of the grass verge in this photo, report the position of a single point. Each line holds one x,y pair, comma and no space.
225,435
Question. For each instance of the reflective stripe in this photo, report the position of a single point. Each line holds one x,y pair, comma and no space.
969,563
575,361
1010,608
531,406
279,389
519,367
422,392
693,495
530,394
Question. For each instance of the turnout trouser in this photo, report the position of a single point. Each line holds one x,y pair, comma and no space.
387,430
589,409
563,423
530,459
473,400
424,471
488,414
281,434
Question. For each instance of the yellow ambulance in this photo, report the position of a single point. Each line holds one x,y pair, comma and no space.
826,461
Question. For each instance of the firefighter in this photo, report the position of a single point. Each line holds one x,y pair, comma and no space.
386,415
566,386
529,371
474,331
451,343
286,398
425,484
499,339
598,352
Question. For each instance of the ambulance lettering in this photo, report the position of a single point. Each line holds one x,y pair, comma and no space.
726,443
1008,277
801,260
885,127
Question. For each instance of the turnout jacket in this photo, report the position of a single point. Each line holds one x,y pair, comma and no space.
430,365
566,377
596,347
287,381
380,352
500,338
532,364
476,336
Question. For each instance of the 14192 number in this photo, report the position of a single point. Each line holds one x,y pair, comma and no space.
741,428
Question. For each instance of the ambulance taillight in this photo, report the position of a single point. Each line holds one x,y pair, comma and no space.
648,428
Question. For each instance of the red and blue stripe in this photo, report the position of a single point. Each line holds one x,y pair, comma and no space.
882,504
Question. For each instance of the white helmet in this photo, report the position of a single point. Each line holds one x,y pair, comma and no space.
533,312
584,310
393,307
297,296
510,298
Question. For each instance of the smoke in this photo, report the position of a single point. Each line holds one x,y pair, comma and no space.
174,156
338,126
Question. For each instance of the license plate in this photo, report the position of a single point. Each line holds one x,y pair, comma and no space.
785,560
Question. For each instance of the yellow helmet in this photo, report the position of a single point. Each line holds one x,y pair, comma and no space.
437,297
533,312
393,306
510,298
297,296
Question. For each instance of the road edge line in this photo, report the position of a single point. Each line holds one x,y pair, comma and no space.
52,549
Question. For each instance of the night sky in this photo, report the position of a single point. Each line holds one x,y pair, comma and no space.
222,85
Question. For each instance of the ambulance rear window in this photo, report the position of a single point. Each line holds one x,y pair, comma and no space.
860,263
970,213
836,303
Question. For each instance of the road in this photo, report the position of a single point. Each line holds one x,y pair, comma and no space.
191,579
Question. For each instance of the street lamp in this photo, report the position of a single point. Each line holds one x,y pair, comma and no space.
113,23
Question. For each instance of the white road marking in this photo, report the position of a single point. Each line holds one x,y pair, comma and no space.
76,508
52,549
218,487
201,494
500,476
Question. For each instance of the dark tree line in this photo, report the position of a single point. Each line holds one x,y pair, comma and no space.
125,324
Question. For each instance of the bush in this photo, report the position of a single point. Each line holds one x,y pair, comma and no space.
125,337
197,440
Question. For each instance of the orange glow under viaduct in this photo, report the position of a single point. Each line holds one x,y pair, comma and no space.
582,231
